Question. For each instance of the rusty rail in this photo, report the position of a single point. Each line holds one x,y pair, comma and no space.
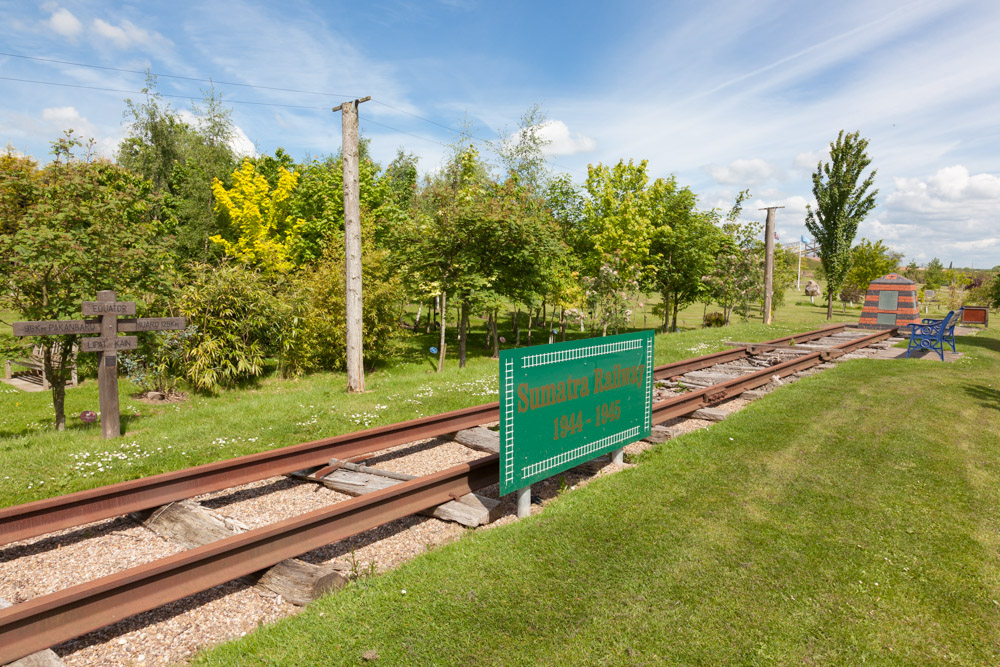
688,402
52,619
21,522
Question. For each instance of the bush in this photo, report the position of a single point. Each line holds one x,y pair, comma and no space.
715,319
238,321
315,338
159,362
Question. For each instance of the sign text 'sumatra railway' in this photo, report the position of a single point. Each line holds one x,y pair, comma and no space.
563,404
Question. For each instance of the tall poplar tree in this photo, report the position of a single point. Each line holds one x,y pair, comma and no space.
842,202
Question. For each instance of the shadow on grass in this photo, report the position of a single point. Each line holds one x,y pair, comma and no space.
991,344
988,397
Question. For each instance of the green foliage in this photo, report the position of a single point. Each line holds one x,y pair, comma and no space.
714,319
870,261
737,277
842,202
315,337
158,364
181,160
616,216
956,281
683,247
258,214
85,226
238,322
912,271
934,274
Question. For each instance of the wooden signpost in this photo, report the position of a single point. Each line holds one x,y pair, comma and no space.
108,326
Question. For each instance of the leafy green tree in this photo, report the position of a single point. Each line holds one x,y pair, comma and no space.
314,337
258,214
934,274
683,249
870,261
181,160
912,270
85,225
843,200
737,278
615,235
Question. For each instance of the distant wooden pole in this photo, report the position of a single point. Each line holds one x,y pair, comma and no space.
352,246
769,262
107,373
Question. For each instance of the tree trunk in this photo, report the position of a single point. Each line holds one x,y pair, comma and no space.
531,320
562,323
59,403
441,343
463,330
420,309
496,334
829,304
673,326
432,314
517,326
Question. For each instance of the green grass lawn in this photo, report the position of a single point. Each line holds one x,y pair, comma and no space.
38,462
848,518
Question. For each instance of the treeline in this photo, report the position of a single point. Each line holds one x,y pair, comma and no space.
250,249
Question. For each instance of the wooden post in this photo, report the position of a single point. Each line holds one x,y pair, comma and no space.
769,261
107,373
352,246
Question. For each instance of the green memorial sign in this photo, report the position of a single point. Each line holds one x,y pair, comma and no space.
563,404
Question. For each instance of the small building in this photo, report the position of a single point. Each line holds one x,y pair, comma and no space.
891,301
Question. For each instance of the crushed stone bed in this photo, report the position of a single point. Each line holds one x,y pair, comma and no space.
174,633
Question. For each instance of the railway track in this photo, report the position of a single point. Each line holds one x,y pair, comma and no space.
57,617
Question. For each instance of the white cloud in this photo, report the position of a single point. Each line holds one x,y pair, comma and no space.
68,118
744,172
239,142
127,34
807,161
561,141
64,23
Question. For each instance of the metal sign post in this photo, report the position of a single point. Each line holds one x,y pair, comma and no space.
107,343
567,403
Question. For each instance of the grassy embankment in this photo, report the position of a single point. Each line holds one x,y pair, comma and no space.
848,518
38,462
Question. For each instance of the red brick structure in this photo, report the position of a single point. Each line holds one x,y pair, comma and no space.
891,301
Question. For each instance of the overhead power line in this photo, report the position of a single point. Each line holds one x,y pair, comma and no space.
142,92
170,76
247,102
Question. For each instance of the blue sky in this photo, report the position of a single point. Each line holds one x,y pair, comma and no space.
726,95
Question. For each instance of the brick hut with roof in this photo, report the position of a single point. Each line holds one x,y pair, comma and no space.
891,301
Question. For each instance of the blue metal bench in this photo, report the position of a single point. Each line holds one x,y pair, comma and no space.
933,334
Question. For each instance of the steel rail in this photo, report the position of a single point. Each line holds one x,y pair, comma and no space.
20,522
57,617
685,404
737,353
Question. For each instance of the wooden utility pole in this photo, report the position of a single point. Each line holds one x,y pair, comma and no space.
352,245
769,261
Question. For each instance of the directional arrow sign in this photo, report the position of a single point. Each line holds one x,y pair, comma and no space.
56,328
116,343
152,324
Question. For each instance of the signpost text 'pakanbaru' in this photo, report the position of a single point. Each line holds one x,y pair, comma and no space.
564,404
107,310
